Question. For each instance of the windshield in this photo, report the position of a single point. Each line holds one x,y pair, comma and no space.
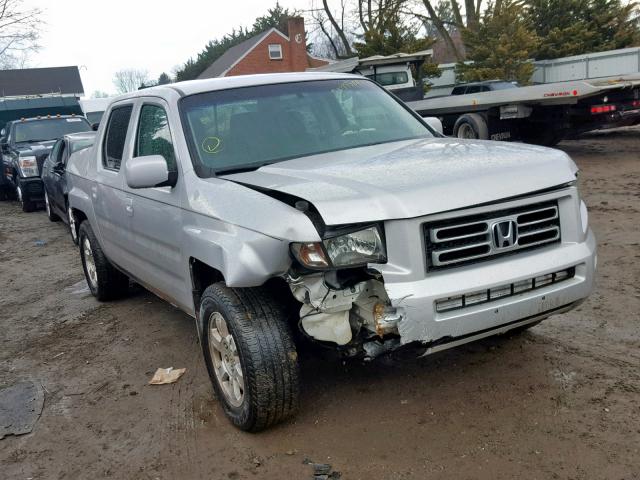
49,129
245,128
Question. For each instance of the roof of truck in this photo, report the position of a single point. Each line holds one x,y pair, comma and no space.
191,87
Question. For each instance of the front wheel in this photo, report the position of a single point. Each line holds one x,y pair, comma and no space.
104,280
250,356
27,205
73,226
47,205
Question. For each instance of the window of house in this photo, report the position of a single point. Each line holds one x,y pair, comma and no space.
154,137
116,136
275,51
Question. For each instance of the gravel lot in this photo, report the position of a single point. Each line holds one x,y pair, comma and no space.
559,402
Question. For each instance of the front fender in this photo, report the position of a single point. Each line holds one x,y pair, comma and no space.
244,257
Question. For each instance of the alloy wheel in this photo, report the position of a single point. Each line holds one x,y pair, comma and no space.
46,203
72,224
90,263
226,360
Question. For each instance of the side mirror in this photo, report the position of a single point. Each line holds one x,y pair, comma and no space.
94,126
148,172
435,123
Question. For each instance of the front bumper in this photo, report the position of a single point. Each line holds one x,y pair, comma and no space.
32,189
413,291
423,323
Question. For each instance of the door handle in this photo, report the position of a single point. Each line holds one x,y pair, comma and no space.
128,206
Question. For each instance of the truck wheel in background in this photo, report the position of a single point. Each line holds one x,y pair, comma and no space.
471,126
104,280
27,206
52,216
73,225
250,355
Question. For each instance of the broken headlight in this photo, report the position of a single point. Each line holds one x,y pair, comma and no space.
28,166
345,250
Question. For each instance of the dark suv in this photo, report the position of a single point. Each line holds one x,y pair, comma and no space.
480,87
26,143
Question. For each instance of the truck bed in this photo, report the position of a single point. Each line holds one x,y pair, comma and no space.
560,93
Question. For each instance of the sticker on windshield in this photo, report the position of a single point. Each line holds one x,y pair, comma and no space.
74,119
211,145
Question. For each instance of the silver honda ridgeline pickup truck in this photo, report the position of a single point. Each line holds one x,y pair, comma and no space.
317,207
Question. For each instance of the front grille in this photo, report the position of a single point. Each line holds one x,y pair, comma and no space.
478,297
475,238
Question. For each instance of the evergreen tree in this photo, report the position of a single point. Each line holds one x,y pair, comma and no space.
163,79
501,46
574,27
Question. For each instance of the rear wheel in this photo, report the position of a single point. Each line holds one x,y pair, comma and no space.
104,280
52,216
250,355
471,126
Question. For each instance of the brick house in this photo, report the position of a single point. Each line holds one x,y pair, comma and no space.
268,52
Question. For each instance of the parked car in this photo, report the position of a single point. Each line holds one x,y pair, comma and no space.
318,203
26,144
54,177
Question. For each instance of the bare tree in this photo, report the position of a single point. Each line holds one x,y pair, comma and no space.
19,33
466,16
334,27
130,79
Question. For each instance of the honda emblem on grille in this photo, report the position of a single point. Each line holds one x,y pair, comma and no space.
505,234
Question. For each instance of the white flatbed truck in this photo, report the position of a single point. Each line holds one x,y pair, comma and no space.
542,114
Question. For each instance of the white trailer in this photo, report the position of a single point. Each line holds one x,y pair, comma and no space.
542,114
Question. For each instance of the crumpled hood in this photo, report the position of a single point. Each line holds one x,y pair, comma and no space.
413,178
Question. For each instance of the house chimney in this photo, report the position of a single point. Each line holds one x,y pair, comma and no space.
298,44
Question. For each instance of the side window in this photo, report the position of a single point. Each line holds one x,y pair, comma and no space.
154,136
115,137
473,89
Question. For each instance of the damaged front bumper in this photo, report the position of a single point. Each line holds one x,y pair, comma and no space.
418,301
405,302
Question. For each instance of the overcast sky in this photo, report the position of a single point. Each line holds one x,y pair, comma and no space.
156,35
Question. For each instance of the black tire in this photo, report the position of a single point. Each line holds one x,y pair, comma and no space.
107,282
25,203
47,206
471,126
267,354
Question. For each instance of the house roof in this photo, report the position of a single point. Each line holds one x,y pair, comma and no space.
236,53
40,81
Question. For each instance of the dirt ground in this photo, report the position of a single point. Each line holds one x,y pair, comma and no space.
559,402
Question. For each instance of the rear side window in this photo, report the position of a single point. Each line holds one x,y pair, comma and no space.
154,136
115,137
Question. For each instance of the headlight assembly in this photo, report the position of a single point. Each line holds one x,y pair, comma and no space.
345,250
28,166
